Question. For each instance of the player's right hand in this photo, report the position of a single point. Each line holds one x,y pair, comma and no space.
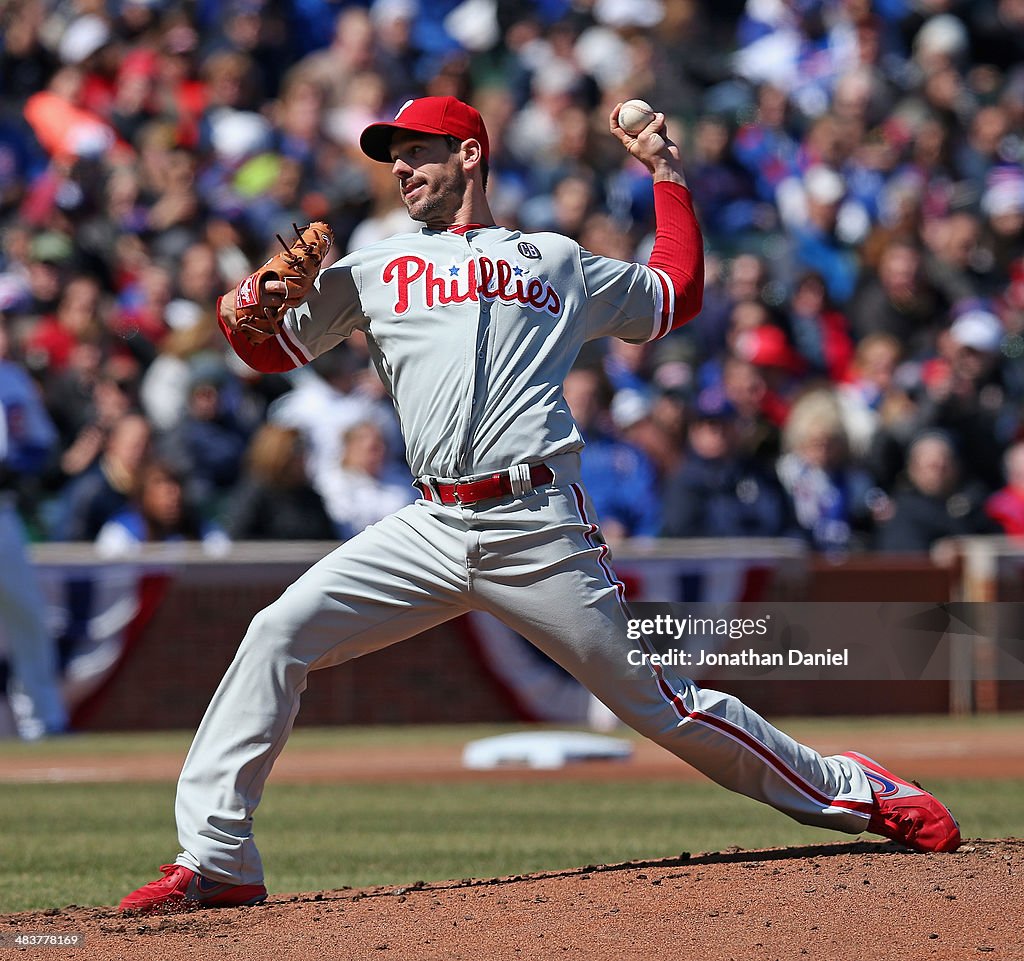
651,146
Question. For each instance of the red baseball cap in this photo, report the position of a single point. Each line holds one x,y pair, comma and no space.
434,115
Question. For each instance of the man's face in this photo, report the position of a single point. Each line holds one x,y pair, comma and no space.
430,177
712,437
932,467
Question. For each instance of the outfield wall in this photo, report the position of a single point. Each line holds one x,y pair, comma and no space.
148,639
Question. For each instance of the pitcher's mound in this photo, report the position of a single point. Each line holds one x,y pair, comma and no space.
837,901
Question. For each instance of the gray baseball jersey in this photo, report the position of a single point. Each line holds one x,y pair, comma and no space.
473,331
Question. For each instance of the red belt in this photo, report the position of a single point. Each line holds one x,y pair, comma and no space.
484,488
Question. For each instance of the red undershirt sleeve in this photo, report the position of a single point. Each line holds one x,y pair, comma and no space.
678,254
268,358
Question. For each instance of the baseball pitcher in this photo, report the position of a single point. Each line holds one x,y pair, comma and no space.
473,327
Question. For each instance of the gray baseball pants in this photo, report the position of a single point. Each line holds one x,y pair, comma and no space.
538,564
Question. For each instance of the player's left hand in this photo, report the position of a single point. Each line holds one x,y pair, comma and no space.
283,281
651,146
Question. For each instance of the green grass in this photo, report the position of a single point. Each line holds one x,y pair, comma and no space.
82,843
177,742
803,728
90,844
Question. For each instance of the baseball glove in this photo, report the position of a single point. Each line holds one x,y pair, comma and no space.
297,265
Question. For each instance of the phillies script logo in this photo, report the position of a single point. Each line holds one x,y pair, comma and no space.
474,280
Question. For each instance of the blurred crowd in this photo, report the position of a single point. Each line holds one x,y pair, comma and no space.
856,376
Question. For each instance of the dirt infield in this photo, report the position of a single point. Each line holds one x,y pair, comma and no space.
836,901
980,753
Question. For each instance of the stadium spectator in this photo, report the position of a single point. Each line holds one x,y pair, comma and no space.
76,320
350,52
723,190
198,279
933,503
207,444
758,413
766,146
86,402
964,394
98,493
818,244
653,426
326,401
159,512
274,501
1006,505
820,332
954,255
627,366
835,501
744,316
718,492
870,398
983,144
365,488
726,284
899,300
767,347
1002,205
143,310
165,387
619,477
998,33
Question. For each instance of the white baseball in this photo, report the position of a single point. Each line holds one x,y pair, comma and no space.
634,115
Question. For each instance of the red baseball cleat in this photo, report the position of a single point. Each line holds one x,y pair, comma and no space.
181,889
907,813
